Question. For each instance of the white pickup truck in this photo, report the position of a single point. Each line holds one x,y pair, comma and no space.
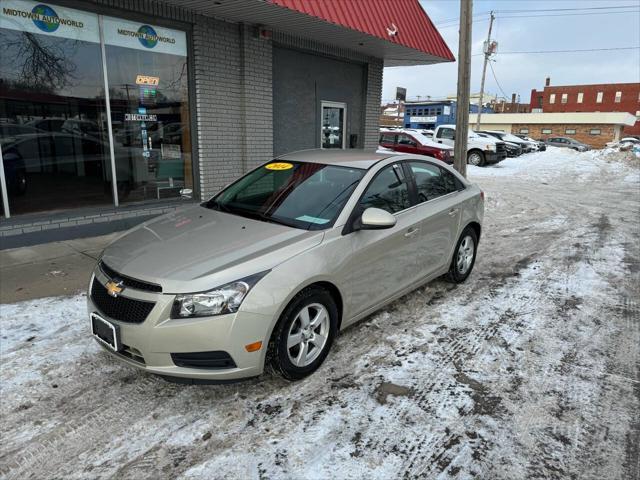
480,150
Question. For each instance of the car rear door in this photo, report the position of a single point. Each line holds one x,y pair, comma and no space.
439,209
383,262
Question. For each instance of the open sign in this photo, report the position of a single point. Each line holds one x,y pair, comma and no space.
147,80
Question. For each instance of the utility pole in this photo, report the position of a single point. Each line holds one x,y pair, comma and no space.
487,54
464,83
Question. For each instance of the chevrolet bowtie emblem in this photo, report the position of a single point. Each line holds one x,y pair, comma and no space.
114,287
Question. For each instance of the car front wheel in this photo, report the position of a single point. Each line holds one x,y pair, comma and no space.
304,334
464,256
475,158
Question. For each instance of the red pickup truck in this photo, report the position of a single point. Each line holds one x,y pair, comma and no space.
412,141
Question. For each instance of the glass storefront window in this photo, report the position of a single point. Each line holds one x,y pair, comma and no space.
53,116
148,91
52,113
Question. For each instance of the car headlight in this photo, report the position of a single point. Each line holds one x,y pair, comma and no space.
491,147
219,301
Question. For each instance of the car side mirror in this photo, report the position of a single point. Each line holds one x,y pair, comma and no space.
375,219
453,137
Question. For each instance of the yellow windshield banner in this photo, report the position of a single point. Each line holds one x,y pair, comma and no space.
279,166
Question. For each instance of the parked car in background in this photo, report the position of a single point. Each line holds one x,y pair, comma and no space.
525,146
536,144
513,149
565,142
268,271
413,141
480,150
13,129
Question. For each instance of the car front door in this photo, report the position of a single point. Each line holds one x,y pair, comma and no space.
407,144
388,140
383,262
440,211
445,135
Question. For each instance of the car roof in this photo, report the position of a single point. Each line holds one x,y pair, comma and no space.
353,158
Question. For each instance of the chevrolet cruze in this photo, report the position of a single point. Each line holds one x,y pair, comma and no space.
268,271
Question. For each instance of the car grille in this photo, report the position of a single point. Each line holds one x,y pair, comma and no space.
119,308
130,282
501,149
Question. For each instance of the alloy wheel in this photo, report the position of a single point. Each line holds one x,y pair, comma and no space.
308,334
465,255
474,159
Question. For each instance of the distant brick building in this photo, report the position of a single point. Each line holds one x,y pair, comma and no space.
611,97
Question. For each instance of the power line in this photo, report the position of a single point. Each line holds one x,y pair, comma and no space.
609,7
569,14
509,12
566,51
496,79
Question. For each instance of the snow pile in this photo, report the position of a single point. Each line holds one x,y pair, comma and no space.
556,162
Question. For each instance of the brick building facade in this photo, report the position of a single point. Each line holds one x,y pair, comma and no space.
612,97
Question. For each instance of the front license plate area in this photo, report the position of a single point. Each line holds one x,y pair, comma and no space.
105,332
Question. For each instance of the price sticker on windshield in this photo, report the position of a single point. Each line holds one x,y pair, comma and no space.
279,166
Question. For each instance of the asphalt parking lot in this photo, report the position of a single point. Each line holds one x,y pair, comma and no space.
531,369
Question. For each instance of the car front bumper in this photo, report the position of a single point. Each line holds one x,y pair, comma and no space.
149,345
494,157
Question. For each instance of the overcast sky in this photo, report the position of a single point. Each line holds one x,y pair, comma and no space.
520,73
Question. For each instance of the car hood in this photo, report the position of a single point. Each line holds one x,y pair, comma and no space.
196,249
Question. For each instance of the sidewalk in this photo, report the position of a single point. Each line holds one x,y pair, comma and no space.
52,269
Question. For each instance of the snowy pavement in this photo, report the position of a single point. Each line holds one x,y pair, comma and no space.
530,369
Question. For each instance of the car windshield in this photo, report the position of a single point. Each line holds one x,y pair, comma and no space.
511,138
301,195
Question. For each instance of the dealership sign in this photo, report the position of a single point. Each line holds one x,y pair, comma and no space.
123,33
423,119
45,19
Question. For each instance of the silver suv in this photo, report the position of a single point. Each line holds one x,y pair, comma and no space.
271,268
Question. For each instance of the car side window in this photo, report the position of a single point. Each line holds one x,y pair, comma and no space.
406,140
388,191
445,133
451,183
430,181
388,138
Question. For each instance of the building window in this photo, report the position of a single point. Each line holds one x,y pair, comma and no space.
565,96
438,111
524,131
66,160
599,97
552,98
594,131
580,96
546,131
333,121
618,97
570,131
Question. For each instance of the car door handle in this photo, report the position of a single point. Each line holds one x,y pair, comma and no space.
453,211
411,232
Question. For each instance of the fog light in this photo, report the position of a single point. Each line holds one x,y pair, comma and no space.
253,347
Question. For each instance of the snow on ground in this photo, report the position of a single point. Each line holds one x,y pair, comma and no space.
529,369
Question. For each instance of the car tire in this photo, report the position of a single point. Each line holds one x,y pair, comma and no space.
464,256
475,157
295,361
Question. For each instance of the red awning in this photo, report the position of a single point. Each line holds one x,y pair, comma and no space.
402,22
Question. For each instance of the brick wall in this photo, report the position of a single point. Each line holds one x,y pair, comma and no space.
607,132
629,101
